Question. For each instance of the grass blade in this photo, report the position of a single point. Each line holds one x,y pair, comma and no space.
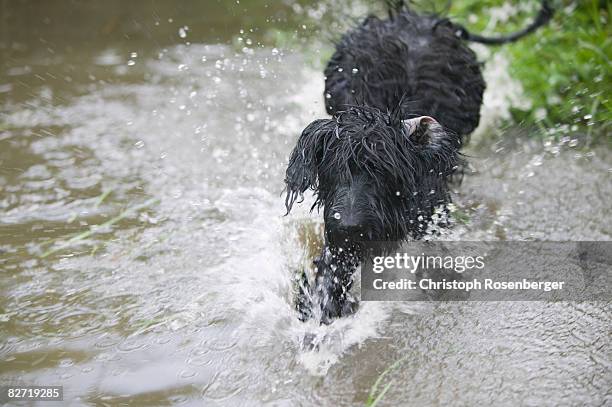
97,228
372,398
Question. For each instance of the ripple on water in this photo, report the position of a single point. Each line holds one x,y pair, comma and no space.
193,297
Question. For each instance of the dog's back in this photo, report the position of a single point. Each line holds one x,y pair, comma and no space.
413,60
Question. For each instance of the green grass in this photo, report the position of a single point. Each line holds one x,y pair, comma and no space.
102,197
461,216
60,245
570,65
375,396
564,67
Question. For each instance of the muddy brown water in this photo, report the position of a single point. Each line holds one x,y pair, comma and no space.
166,173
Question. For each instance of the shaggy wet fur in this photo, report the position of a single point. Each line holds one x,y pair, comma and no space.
405,176
376,180
416,62
404,92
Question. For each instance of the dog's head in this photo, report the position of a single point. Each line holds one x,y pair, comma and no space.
376,176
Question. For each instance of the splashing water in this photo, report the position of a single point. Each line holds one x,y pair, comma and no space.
191,299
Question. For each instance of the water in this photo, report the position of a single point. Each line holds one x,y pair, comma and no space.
187,300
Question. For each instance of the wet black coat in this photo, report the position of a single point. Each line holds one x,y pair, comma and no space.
418,61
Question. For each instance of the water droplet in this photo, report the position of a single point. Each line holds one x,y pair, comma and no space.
337,215
397,193
249,41
541,113
328,95
182,32
536,161
340,69
274,51
131,62
355,71
134,55
186,374
66,363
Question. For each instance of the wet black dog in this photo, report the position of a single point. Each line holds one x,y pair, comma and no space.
403,92
378,178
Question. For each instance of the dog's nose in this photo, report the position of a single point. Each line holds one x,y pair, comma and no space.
353,230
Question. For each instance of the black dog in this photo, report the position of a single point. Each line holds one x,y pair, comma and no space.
378,178
403,92
417,62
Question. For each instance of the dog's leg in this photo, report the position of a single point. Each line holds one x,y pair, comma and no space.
334,279
328,296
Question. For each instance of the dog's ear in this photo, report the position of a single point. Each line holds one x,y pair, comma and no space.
426,132
302,171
